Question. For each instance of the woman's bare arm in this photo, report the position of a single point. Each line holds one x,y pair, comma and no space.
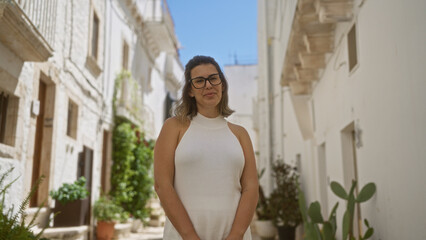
164,168
249,186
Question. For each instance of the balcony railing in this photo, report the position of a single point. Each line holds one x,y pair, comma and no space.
156,15
129,100
42,14
158,11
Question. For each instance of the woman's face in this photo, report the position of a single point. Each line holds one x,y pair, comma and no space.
209,96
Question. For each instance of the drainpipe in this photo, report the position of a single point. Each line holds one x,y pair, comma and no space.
282,133
271,110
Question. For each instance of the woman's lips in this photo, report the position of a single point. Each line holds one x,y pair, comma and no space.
209,94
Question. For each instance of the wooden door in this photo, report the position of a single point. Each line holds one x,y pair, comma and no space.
105,163
38,143
85,165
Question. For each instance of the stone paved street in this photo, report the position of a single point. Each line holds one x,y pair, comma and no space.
156,233
148,233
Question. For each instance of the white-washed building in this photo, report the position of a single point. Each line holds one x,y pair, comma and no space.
52,98
24,50
143,42
58,63
242,92
341,85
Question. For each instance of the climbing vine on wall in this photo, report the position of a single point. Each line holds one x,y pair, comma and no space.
132,174
142,180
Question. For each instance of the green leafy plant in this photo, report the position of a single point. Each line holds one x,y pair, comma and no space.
142,180
70,192
263,208
106,210
131,173
124,74
124,144
131,177
329,227
125,77
284,198
12,225
311,225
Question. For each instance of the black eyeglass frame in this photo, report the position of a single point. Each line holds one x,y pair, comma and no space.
205,80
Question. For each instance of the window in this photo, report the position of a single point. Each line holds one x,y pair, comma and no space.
352,48
72,119
299,162
4,99
95,36
168,106
94,49
313,115
125,54
8,118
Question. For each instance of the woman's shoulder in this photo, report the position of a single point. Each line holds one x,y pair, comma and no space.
175,124
238,130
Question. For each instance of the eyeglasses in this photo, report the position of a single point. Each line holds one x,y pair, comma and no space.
200,82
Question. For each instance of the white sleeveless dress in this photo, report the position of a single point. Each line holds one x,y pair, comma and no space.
209,162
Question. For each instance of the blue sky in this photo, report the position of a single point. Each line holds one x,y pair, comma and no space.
223,29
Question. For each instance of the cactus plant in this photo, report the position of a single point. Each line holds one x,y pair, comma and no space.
365,194
312,216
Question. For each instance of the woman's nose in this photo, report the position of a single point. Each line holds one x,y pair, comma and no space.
208,84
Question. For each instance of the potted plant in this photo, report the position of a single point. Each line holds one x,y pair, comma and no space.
263,224
284,200
107,213
71,204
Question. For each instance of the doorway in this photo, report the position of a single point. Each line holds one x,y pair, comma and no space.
84,169
350,171
322,179
43,141
38,142
106,157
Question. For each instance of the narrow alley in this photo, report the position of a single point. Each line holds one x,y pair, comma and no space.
310,116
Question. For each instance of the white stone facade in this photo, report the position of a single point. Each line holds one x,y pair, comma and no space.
366,122
73,71
242,92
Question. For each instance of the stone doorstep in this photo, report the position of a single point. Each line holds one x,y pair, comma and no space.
64,233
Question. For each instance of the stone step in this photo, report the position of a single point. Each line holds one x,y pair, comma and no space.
42,219
122,231
64,233
157,222
157,213
148,233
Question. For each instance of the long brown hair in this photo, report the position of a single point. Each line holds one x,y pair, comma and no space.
186,107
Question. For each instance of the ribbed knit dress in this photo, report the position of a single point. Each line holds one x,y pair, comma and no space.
209,162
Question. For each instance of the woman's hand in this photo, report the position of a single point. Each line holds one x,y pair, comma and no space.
233,236
192,237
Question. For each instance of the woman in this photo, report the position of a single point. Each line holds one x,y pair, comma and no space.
204,167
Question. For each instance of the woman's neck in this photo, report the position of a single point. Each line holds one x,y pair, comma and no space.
210,113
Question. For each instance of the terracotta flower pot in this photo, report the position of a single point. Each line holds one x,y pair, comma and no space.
105,230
